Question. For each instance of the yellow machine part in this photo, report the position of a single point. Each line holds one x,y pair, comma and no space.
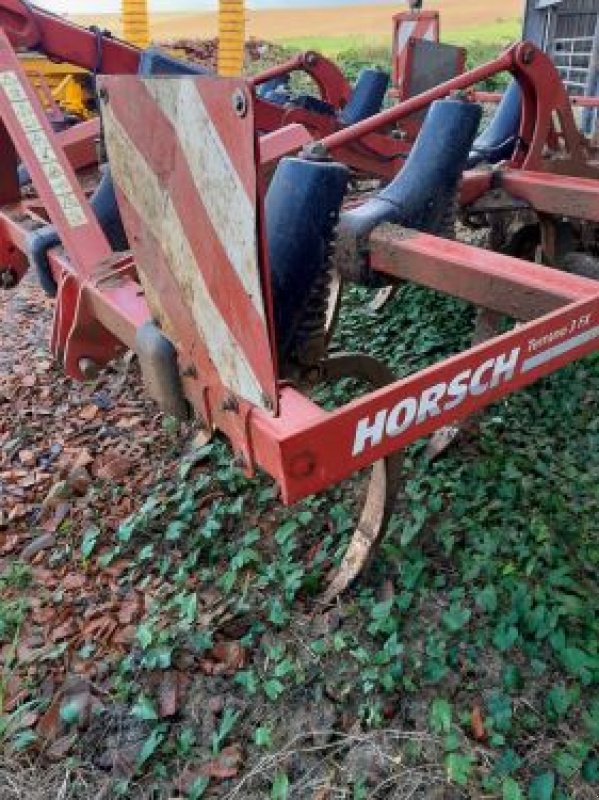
231,35
136,26
68,86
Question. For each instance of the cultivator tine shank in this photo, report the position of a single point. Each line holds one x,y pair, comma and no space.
382,484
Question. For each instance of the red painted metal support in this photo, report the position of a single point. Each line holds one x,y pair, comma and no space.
287,140
80,143
560,195
519,289
544,100
310,453
30,131
30,27
410,25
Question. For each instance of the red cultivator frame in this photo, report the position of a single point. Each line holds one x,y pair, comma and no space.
197,294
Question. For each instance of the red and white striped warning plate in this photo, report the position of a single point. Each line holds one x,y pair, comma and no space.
423,27
183,159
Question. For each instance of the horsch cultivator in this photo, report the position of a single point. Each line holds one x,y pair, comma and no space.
206,239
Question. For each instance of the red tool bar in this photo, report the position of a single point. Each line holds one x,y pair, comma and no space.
384,422
344,137
278,71
280,143
121,308
517,288
474,184
80,143
553,194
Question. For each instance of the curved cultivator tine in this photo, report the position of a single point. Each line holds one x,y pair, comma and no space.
382,297
382,486
369,531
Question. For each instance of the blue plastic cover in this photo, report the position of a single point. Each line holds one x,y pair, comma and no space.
302,209
420,195
155,61
367,97
498,140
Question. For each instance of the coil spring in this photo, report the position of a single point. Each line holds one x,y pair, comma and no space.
311,339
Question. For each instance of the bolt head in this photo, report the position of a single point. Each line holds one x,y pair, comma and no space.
240,103
528,56
316,152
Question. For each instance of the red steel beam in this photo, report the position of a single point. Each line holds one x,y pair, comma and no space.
308,453
34,28
80,143
553,194
332,83
280,143
517,288
57,186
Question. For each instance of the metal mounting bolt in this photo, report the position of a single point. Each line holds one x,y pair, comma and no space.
89,369
316,152
240,103
231,404
528,56
190,372
267,402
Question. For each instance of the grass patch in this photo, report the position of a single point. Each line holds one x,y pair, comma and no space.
332,46
493,37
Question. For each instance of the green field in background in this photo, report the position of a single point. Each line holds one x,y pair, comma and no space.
499,33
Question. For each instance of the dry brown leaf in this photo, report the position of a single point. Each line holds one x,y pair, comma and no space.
130,610
477,724
8,543
226,766
27,458
89,413
73,581
114,469
125,636
168,694
50,724
82,459
99,629
63,631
